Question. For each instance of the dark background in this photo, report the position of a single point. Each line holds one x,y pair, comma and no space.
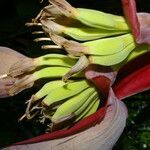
14,34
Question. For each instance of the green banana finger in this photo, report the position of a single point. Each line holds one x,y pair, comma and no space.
67,109
139,50
47,88
89,110
101,20
80,33
86,34
106,46
49,72
29,64
66,91
55,60
110,60
93,18
86,103
93,109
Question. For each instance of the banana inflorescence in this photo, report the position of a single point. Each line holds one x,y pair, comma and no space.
83,37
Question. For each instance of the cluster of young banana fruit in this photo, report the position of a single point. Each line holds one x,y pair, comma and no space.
88,37
62,23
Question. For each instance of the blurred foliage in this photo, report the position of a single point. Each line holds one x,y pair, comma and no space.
136,135
14,34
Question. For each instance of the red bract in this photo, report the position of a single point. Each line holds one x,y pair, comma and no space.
82,125
140,27
129,7
134,77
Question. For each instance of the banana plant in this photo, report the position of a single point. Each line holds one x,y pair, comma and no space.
102,128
